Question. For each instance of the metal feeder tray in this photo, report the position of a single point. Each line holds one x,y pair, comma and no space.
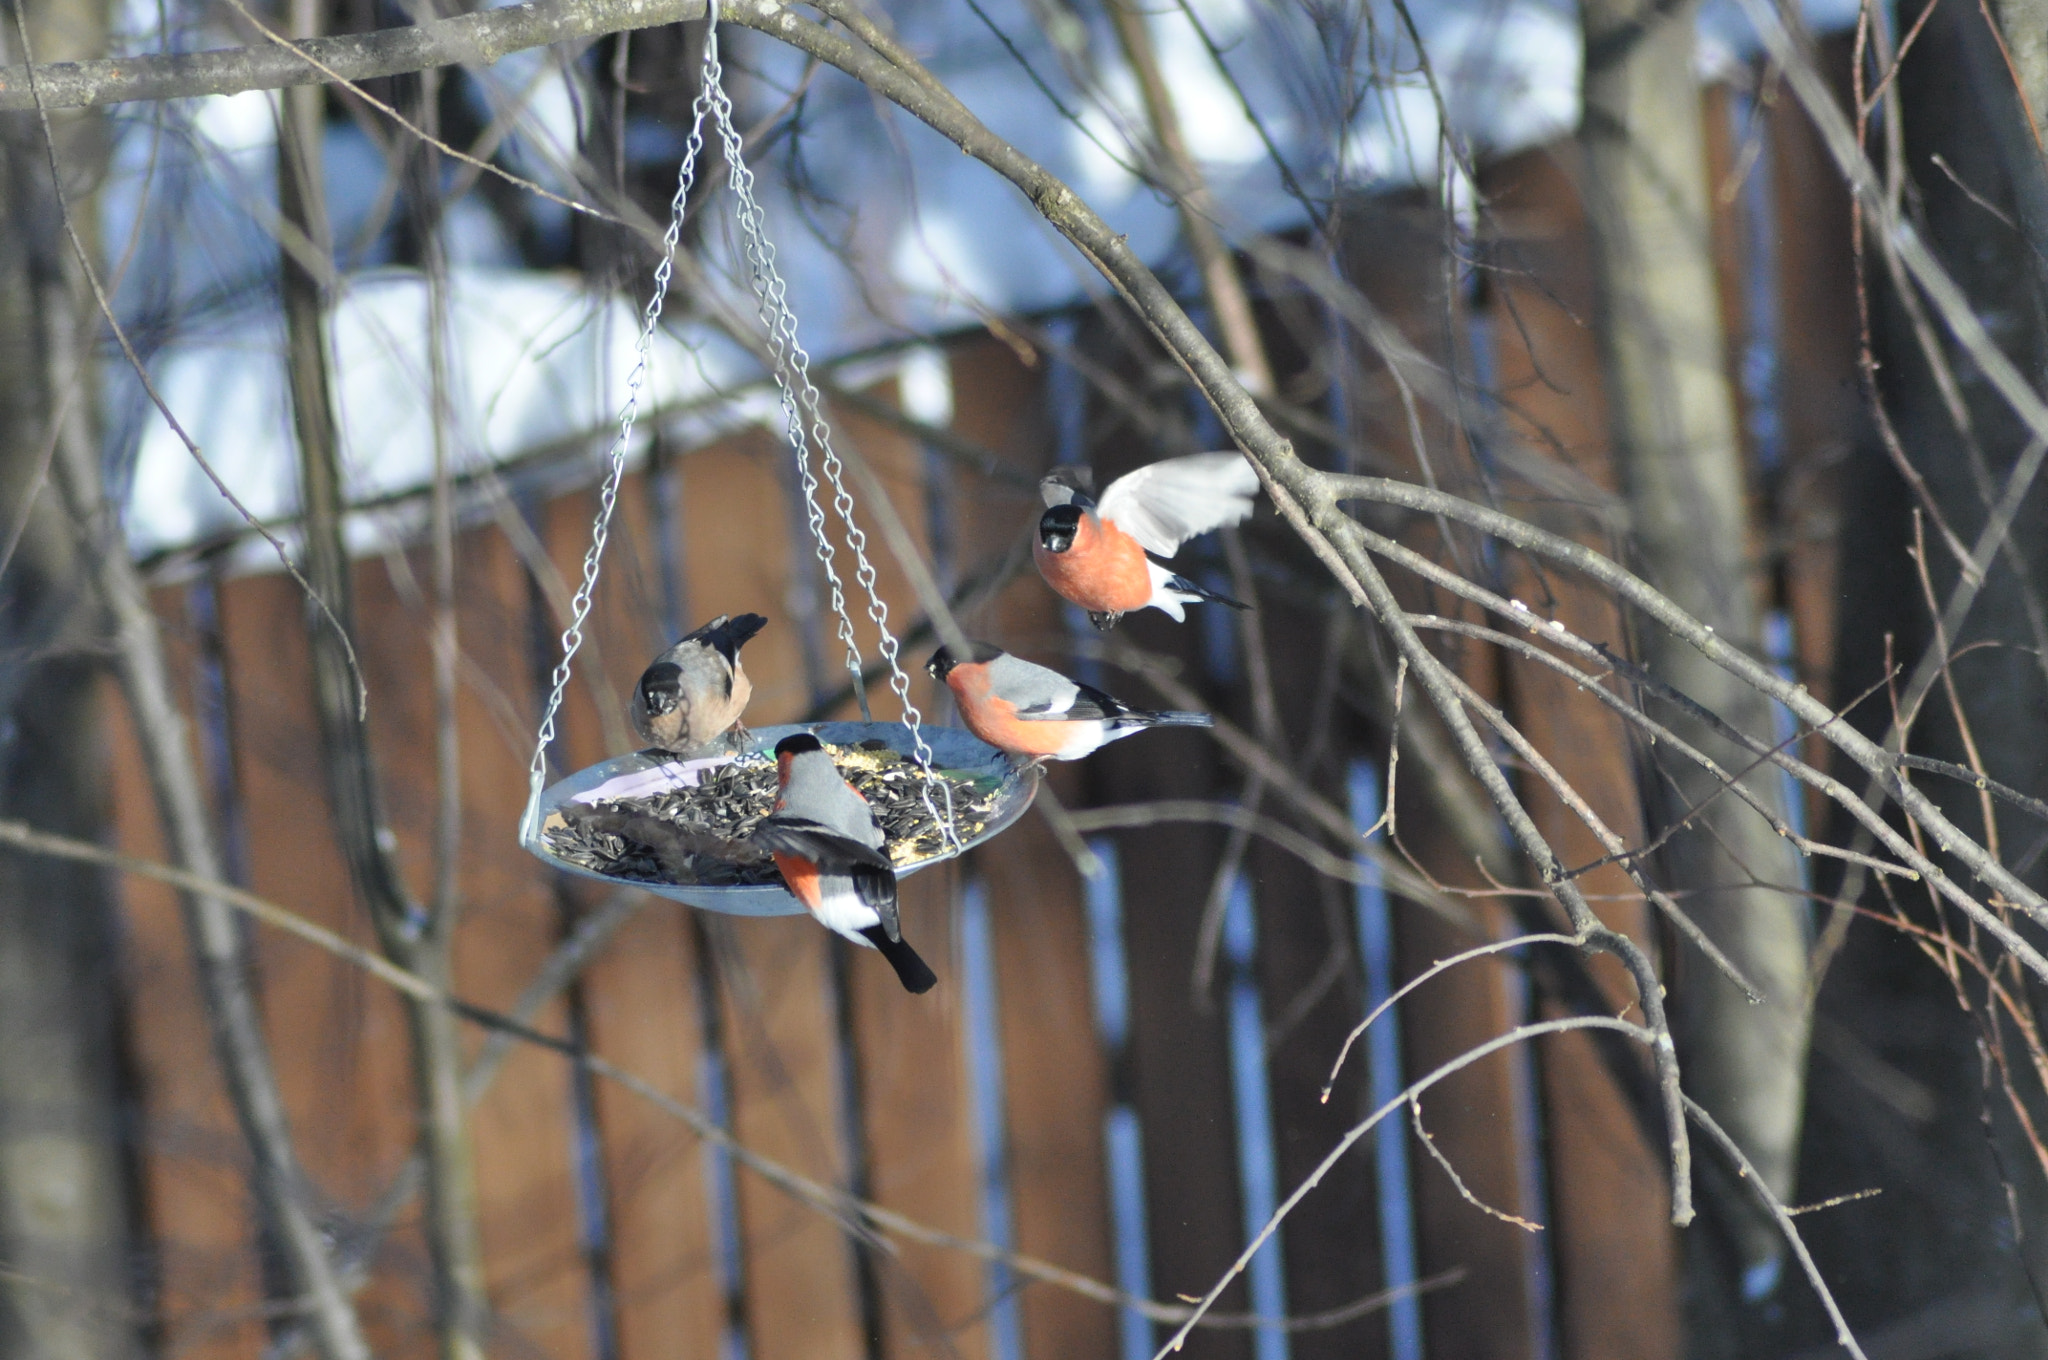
997,788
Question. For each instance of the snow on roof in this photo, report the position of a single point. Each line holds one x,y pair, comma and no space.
885,232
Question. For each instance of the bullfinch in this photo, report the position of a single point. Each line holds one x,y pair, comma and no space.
1028,710
695,691
1094,554
828,848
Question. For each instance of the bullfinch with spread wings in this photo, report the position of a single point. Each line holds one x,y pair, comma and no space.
1094,553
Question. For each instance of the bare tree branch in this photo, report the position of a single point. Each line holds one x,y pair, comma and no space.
468,40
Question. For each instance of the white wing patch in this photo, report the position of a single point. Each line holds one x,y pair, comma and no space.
1163,505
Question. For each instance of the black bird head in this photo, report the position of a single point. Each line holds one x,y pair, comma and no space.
943,660
660,687
797,744
1057,527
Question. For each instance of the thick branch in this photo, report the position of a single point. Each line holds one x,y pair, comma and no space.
469,40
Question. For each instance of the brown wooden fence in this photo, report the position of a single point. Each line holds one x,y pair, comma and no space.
610,1229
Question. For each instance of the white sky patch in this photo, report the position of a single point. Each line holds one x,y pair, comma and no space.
1511,74
1394,138
924,385
230,398
239,125
532,89
1100,176
1211,116
938,257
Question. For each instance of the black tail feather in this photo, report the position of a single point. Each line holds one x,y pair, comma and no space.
1184,586
911,971
1175,718
726,636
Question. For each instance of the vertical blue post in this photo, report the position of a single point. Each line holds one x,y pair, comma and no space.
1526,1101
1257,1180
723,1194
985,1083
1384,1083
1125,1155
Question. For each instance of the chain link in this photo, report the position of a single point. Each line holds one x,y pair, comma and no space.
608,496
805,425
771,298
800,399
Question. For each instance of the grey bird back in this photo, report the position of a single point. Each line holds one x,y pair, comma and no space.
817,791
703,670
1030,686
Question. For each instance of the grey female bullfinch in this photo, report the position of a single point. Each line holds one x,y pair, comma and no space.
1028,710
1094,554
695,691
828,849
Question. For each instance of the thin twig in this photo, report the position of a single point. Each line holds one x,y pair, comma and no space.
1464,1191
1519,1035
1843,1336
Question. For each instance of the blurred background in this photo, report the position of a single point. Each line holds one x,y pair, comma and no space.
1597,268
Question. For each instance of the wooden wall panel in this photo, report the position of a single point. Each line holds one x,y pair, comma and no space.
738,557
1179,1066
918,1113
1471,1115
1055,1075
781,1030
339,1037
1179,1058
1055,1083
1305,921
1609,1192
917,1110
1819,385
640,997
779,1016
898,464
539,1285
193,1172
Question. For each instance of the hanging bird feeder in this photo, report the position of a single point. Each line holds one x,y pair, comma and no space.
678,826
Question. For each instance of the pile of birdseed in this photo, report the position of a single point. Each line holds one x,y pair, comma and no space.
699,835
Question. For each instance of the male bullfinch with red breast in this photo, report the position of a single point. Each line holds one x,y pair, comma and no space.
695,691
1094,554
1028,710
828,849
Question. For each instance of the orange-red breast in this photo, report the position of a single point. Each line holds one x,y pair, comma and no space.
1028,710
1095,554
828,848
